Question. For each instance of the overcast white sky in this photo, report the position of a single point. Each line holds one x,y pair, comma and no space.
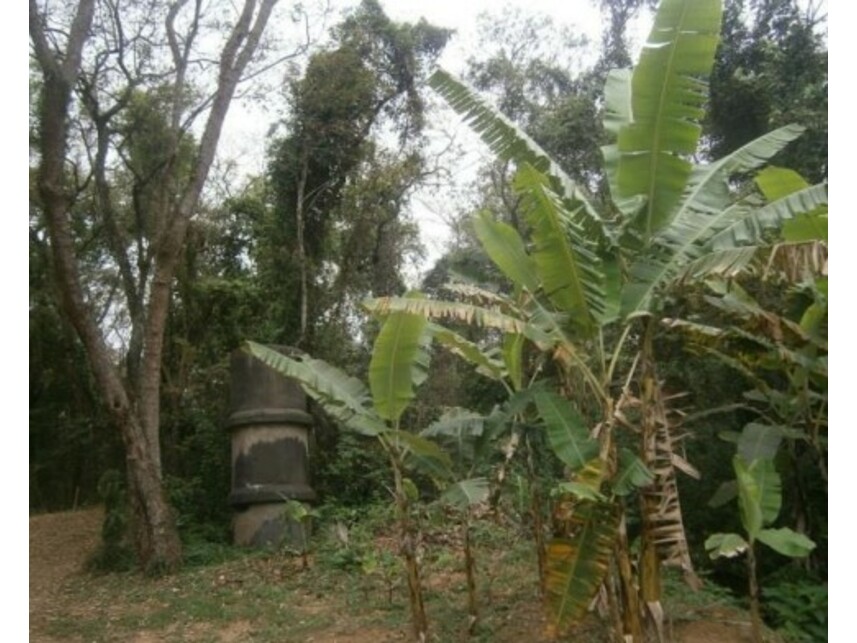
247,123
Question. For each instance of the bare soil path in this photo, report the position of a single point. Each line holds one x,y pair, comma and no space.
60,544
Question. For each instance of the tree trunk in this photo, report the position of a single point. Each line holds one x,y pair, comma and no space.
538,522
157,541
134,406
156,538
632,624
302,258
755,612
470,572
408,549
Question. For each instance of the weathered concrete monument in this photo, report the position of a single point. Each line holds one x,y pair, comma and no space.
270,447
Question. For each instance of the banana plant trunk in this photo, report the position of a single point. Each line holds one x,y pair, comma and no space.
538,522
650,564
470,571
755,612
408,550
631,622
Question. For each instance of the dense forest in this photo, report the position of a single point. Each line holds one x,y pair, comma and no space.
620,359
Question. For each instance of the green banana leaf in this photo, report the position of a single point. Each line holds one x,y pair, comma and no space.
513,346
750,230
566,430
777,182
617,114
576,566
668,93
466,493
340,395
509,142
632,474
399,363
569,270
691,245
760,441
787,542
505,248
759,493
421,454
459,430
725,545
806,227
468,351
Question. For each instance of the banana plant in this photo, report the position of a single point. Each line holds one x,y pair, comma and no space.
399,363
790,407
463,497
300,515
580,272
759,501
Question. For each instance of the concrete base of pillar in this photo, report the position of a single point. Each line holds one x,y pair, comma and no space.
264,525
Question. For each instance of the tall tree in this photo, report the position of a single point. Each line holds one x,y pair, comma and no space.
112,56
338,189
771,69
530,65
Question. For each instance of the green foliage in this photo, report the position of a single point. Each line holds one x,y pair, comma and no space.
771,69
153,156
759,493
343,397
504,246
199,477
798,609
759,501
776,338
566,431
301,515
71,441
399,363
632,474
113,553
349,469
466,493
577,565
678,224
336,195
667,98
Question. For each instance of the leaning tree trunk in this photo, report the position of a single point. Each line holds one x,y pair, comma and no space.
156,538
158,543
408,538
133,406
300,220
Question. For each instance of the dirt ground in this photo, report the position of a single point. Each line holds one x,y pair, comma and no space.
60,544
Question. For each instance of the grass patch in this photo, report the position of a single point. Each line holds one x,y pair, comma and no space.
353,590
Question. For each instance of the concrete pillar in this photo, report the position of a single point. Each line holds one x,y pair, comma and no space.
270,452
